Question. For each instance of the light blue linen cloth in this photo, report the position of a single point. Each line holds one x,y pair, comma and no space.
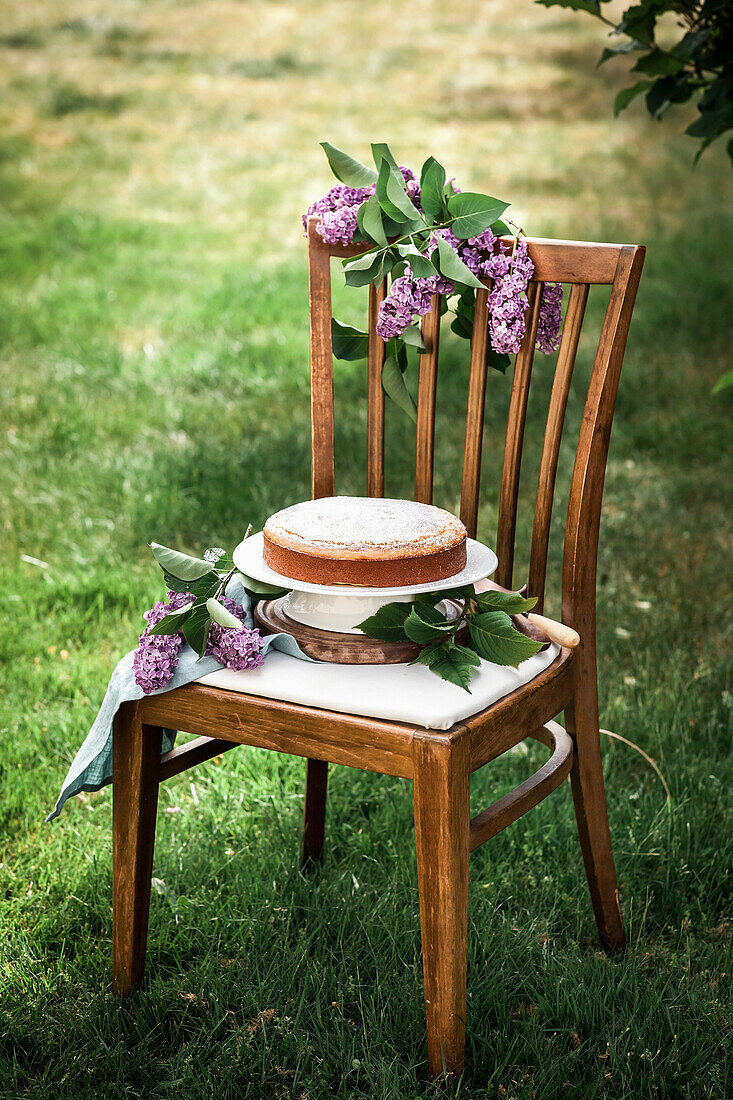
91,768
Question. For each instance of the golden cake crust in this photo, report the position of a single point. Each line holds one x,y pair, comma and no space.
365,541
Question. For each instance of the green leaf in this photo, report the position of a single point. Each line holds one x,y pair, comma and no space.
500,229
498,360
388,623
349,343
351,172
381,151
432,190
180,565
451,662
453,267
173,621
625,96
204,587
393,384
657,63
724,382
223,617
259,589
413,337
367,268
509,602
472,213
421,266
593,7
369,220
392,197
425,624
196,628
625,47
495,639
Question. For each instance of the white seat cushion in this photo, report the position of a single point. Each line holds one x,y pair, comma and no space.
402,693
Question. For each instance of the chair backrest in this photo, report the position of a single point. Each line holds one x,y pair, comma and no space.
581,265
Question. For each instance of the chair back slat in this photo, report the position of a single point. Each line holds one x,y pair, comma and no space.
511,469
321,351
580,554
375,397
569,262
426,391
553,435
471,480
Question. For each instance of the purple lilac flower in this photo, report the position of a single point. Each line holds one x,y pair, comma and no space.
337,212
156,656
508,299
550,319
236,649
408,297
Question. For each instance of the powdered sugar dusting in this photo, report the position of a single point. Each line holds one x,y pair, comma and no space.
365,526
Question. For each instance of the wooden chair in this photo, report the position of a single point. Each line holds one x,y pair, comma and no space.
439,763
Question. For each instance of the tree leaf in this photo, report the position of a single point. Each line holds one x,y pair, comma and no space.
626,95
392,196
426,624
393,384
173,621
351,172
421,266
724,382
259,589
205,586
509,602
432,190
657,63
451,662
367,268
591,6
472,213
223,617
413,336
498,360
388,623
180,565
196,628
348,343
495,639
369,220
453,267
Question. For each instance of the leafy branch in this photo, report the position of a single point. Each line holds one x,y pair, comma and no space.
484,626
699,65
206,579
401,234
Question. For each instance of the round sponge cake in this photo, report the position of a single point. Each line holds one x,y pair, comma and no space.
372,541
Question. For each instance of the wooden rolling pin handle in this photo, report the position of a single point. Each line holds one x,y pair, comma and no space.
556,632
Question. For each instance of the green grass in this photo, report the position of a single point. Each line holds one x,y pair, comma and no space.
154,384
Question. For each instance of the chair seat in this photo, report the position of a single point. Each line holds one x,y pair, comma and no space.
400,693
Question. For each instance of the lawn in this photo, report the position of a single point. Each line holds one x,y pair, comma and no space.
154,163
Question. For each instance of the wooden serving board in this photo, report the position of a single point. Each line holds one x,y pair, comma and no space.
340,649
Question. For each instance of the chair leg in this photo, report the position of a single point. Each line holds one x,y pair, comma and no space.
589,797
135,780
314,812
441,793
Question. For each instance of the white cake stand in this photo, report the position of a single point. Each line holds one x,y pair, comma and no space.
340,607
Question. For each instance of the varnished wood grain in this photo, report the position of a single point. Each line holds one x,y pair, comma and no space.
509,491
136,765
188,755
548,778
314,812
375,397
371,743
322,433
471,479
572,325
441,794
426,393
